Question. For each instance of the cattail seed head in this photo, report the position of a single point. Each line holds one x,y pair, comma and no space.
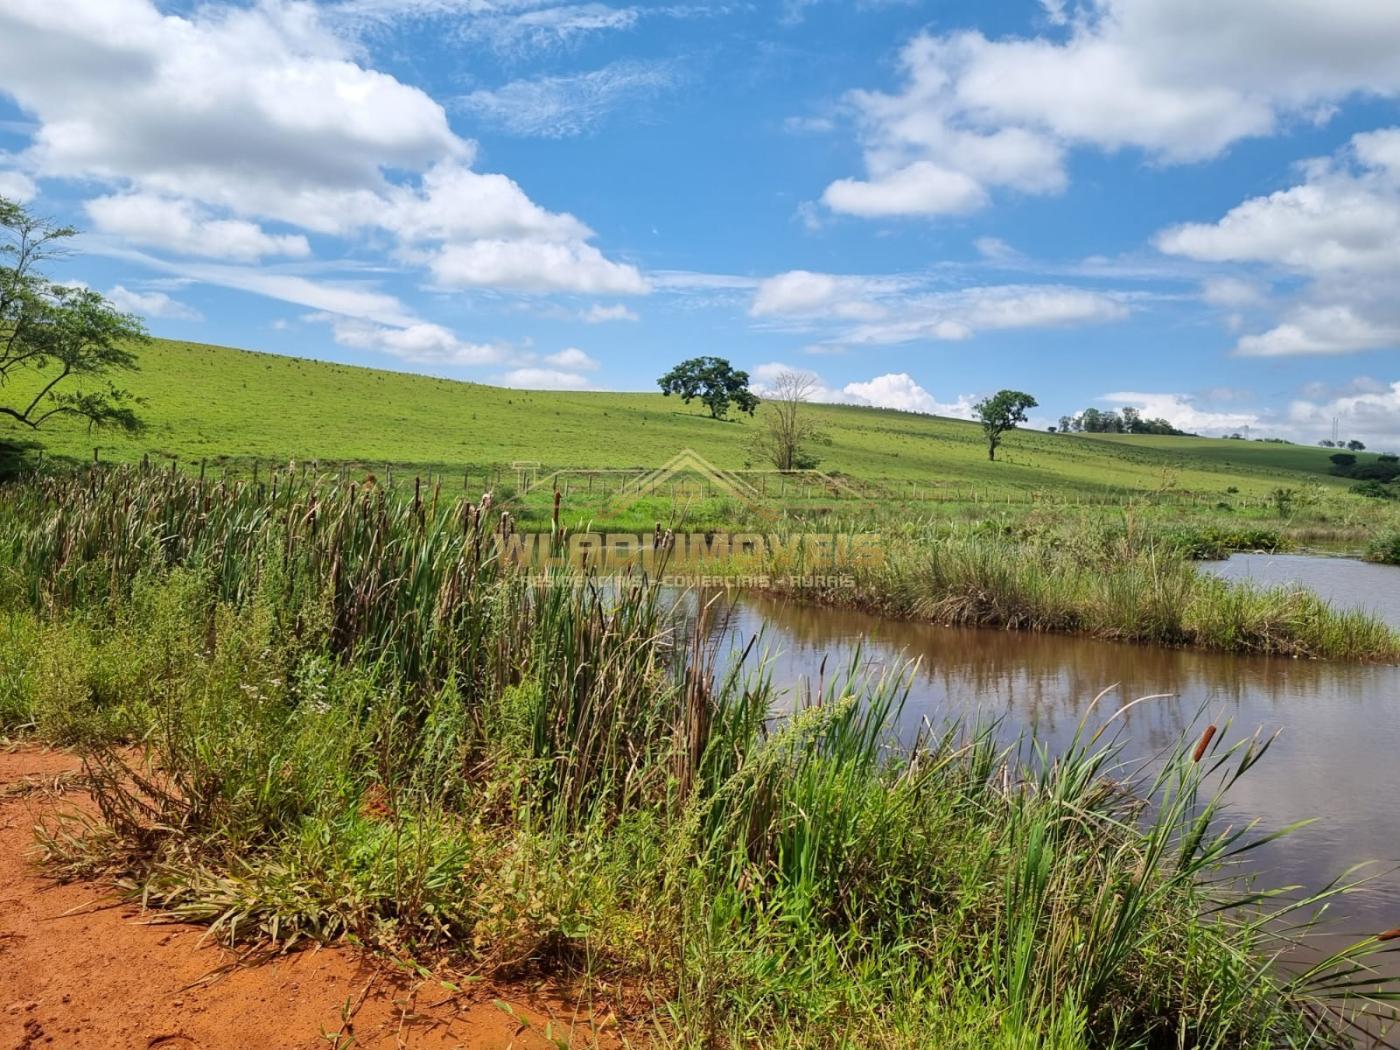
1206,738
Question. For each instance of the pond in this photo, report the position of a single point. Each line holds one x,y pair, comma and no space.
1345,582
1338,725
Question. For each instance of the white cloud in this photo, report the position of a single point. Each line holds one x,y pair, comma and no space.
547,25
1340,229
560,106
420,343
152,304
454,203
242,104
891,310
481,230
182,227
535,266
1179,79
896,390
599,314
572,358
1338,328
1233,292
1181,411
346,299
1367,409
545,379
921,188
1372,416
994,249
803,293
204,126
17,186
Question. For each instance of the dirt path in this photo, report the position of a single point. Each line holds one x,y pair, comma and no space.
79,969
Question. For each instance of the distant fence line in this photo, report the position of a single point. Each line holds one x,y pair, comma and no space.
517,481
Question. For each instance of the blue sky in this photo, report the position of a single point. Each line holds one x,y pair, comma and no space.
1187,206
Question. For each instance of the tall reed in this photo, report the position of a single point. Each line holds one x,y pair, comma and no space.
312,712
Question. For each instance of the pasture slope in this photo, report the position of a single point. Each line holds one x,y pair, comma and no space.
234,406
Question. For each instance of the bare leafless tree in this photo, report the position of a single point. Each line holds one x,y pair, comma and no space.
789,429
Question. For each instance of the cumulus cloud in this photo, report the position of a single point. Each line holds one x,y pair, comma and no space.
895,390
892,310
1180,81
534,266
898,390
204,126
181,226
574,359
1340,229
545,379
921,188
561,106
1367,409
420,342
152,304
240,103
1372,415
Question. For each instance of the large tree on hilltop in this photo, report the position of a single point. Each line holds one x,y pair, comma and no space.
1005,410
714,381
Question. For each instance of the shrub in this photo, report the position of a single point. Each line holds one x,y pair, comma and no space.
1385,549
1376,490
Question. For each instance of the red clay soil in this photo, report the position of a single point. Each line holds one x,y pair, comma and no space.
79,968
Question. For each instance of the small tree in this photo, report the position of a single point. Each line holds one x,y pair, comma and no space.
714,381
1356,446
1003,411
789,429
69,339
1342,460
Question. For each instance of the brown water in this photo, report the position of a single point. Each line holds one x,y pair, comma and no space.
1338,725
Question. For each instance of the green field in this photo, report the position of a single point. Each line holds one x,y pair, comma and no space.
232,407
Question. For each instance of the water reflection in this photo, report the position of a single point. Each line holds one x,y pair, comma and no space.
1334,759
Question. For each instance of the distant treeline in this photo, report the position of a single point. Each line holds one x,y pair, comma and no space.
1127,421
1375,478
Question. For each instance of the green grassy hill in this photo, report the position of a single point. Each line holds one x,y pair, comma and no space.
234,406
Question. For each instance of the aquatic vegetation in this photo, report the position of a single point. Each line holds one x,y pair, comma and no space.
1127,584
317,712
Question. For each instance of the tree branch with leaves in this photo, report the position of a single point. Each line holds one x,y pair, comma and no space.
64,341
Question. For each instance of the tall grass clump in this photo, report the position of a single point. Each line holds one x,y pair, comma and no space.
313,712
1116,583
